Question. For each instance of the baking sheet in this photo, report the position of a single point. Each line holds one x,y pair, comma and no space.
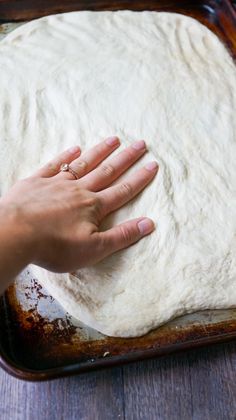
41,340
38,339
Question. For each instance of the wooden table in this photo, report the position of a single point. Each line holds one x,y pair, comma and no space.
198,385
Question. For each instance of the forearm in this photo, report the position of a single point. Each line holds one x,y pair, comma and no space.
15,247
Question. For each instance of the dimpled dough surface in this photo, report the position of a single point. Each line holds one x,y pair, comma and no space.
79,77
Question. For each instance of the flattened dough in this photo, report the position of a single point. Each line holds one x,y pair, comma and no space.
79,77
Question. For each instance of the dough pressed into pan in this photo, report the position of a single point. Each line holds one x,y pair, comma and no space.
80,77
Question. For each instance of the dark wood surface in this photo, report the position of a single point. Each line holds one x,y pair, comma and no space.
198,385
27,9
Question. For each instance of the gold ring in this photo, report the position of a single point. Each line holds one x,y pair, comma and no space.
65,167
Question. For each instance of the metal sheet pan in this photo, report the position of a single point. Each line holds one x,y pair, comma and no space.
38,339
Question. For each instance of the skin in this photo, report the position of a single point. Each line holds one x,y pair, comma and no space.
52,220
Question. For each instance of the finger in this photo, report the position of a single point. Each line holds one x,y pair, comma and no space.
108,172
124,235
90,159
53,167
115,197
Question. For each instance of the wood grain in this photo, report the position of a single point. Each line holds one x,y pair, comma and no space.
97,396
198,385
16,10
28,9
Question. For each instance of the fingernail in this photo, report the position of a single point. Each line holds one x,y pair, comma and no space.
145,226
112,141
74,149
151,166
139,145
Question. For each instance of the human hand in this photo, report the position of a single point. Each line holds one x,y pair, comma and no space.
62,215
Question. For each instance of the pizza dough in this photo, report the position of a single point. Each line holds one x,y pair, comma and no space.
80,77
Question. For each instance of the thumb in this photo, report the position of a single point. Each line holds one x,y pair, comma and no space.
126,234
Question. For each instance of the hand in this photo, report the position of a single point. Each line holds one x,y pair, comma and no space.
62,215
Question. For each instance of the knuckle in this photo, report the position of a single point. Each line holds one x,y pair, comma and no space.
107,170
90,201
126,190
102,242
126,234
130,152
81,167
52,167
98,208
95,204
82,164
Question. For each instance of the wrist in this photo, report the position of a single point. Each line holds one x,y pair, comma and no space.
18,234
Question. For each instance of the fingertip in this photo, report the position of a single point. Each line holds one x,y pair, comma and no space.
74,150
113,141
145,226
139,145
152,166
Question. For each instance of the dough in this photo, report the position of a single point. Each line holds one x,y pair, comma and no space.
80,77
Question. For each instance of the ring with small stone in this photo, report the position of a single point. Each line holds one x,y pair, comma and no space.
65,167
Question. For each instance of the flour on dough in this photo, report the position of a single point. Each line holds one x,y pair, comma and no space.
80,77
